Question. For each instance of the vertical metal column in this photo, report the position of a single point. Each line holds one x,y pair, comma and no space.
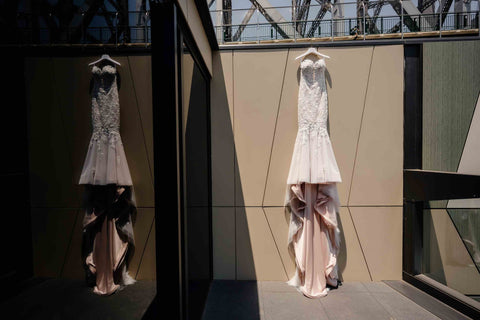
412,145
166,157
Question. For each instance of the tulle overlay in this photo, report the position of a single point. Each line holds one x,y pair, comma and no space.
314,237
313,159
106,162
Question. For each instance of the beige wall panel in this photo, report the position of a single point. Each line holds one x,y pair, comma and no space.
458,267
257,92
222,144
345,112
133,139
225,65
147,269
223,234
141,229
141,72
378,173
196,26
51,232
347,77
285,133
380,232
257,254
74,100
351,262
49,160
278,222
73,268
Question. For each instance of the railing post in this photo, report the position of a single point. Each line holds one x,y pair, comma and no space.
331,22
294,25
258,30
401,24
83,28
222,26
146,28
478,19
364,24
116,29
440,23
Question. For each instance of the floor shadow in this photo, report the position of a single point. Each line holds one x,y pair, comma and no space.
342,257
236,298
56,298
231,299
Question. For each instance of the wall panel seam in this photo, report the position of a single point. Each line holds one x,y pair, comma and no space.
275,127
360,127
69,243
145,247
140,118
232,66
275,242
360,244
62,120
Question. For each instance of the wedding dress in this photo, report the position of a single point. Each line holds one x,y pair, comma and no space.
311,196
108,242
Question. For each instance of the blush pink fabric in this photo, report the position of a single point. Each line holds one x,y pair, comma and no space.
107,256
315,237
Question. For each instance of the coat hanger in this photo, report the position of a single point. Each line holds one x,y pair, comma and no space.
105,57
311,50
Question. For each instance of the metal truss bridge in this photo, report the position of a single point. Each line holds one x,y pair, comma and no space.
95,22
342,20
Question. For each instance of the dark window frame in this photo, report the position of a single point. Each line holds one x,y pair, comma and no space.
420,186
169,31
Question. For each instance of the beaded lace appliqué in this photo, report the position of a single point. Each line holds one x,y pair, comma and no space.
105,108
312,100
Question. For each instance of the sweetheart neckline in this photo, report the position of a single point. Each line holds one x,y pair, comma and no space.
103,68
308,62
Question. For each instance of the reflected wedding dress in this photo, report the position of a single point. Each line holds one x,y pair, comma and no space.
108,241
311,197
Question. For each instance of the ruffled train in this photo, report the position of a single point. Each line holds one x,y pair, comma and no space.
108,242
314,236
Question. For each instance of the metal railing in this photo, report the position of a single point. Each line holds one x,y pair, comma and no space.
105,28
249,25
348,27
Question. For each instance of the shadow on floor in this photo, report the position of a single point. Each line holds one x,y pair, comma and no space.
230,299
55,298
275,300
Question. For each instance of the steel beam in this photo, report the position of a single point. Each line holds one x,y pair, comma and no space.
246,18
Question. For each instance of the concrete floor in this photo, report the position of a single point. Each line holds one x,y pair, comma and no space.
228,300
71,299
277,301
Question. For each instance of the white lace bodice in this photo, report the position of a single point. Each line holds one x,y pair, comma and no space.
312,97
105,105
313,160
106,162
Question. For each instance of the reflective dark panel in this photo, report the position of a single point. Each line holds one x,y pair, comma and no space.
195,114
